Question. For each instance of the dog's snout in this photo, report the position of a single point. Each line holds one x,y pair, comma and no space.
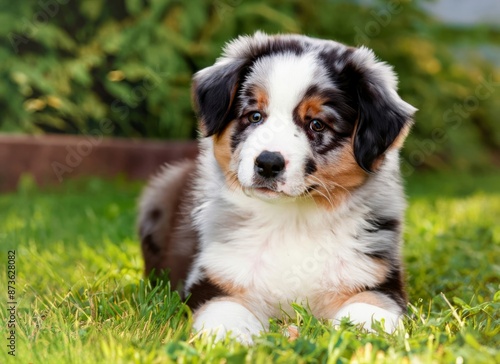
269,164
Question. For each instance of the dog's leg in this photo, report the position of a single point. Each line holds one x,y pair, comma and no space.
225,315
367,307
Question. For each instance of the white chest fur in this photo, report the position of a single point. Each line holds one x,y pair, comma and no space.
283,253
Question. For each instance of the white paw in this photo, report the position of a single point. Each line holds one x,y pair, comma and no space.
366,314
221,317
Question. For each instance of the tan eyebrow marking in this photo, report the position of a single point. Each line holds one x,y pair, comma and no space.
310,106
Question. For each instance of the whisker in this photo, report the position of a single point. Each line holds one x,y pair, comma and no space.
335,184
342,187
330,198
327,198
308,193
327,194
232,181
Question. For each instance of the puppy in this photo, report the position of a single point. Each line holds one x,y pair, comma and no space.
296,194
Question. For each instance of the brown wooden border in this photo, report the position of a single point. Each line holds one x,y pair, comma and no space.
50,159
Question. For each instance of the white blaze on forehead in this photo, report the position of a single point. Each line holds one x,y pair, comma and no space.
286,77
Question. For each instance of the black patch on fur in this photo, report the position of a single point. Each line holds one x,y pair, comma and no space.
239,134
310,166
311,91
276,46
384,224
202,292
334,142
155,214
393,286
379,119
149,243
249,95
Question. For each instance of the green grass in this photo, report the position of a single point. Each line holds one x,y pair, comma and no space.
81,297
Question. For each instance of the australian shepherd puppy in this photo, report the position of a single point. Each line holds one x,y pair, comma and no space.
296,194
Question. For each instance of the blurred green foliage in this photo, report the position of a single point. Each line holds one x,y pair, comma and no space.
66,66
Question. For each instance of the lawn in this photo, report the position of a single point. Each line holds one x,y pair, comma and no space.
81,298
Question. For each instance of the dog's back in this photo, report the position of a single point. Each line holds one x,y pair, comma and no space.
164,219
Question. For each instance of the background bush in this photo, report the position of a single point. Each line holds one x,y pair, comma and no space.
67,66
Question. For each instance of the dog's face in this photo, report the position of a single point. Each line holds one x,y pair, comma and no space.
295,116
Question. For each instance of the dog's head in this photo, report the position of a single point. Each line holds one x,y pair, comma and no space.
295,116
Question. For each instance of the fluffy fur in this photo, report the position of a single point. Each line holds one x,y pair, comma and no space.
296,194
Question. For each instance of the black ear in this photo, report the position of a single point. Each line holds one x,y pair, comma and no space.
380,121
382,114
214,91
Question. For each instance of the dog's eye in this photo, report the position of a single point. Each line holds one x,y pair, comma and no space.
316,125
255,117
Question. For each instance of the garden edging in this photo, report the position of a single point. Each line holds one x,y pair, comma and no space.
50,159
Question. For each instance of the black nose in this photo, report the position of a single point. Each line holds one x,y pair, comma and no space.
269,164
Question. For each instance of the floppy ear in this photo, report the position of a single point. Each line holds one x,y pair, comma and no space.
382,114
214,90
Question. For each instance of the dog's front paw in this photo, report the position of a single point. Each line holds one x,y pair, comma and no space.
365,314
219,318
